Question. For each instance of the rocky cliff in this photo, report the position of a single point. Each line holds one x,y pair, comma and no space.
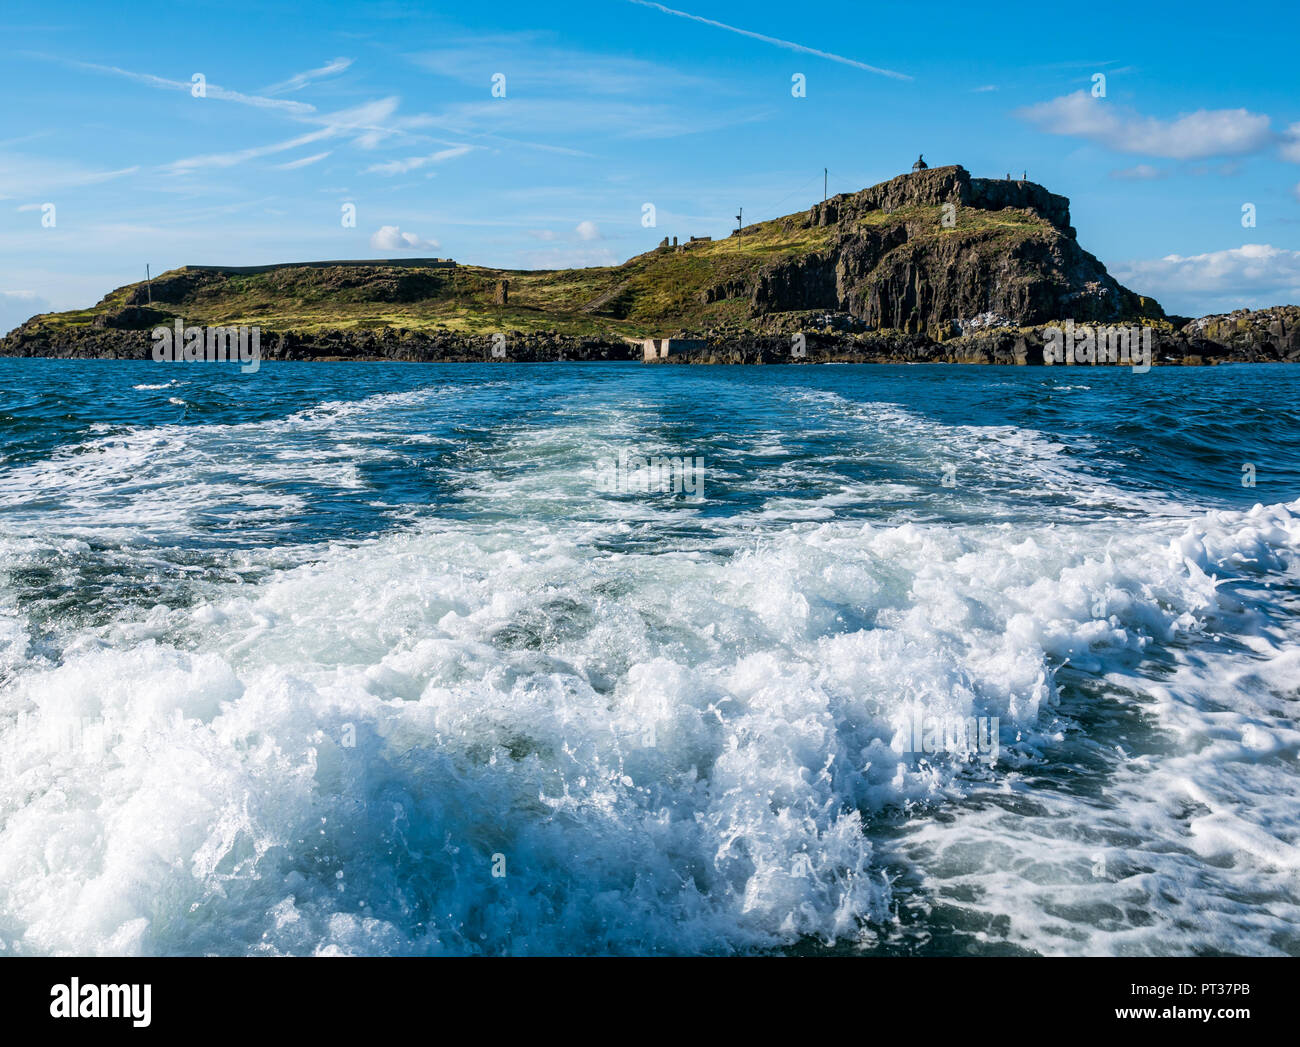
940,252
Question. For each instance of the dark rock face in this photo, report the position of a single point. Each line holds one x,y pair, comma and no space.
990,194
911,277
133,318
1260,336
174,288
803,283
933,285
386,344
941,185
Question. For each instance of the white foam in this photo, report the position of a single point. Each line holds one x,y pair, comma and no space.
686,747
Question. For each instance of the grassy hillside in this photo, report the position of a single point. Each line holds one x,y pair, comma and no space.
884,255
652,294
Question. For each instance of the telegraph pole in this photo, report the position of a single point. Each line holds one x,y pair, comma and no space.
825,182
148,282
740,224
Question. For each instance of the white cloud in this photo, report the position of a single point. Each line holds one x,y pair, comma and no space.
211,91
303,162
1291,144
1251,276
1192,136
985,88
361,122
588,231
364,121
391,238
542,234
414,163
191,163
300,80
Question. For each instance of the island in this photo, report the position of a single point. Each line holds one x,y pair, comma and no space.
933,266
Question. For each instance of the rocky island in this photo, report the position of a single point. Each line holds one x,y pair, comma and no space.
932,266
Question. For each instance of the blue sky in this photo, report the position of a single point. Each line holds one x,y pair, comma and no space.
612,104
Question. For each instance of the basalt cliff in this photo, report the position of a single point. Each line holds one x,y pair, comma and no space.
932,266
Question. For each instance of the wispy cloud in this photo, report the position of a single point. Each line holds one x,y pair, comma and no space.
370,122
789,45
366,125
300,80
211,91
303,162
238,156
27,176
589,116
1140,173
533,61
414,163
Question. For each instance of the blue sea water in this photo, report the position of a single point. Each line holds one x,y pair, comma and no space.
369,658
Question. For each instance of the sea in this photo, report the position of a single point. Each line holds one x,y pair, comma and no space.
606,658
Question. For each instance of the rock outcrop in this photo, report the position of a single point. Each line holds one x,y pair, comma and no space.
1001,247
386,344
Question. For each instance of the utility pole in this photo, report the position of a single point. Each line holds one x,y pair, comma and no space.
740,223
825,177
148,282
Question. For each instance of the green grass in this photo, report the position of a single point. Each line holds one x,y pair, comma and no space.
654,294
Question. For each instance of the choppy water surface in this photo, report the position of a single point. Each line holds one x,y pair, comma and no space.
293,662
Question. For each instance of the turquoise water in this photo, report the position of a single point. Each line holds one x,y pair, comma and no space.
373,658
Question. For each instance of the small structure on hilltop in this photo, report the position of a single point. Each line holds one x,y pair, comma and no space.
920,164
654,349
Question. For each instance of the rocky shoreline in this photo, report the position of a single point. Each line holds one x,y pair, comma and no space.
1245,336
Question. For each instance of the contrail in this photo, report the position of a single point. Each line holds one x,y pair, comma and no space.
790,45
